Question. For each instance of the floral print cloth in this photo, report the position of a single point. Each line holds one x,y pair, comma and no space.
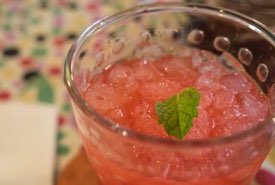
35,36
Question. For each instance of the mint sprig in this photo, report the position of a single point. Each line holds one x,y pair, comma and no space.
176,113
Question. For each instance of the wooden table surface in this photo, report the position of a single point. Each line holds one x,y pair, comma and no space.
77,172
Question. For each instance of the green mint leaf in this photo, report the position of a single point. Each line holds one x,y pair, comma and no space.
177,112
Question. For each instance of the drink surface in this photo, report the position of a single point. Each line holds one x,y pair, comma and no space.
128,91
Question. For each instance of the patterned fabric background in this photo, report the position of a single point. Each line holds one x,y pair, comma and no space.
35,36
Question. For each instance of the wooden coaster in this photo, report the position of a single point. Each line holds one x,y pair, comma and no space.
78,172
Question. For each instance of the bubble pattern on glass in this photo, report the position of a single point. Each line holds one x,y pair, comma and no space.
195,37
118,45
245,56
262,72
221,43
144,36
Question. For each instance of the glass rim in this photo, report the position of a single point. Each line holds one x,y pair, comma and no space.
148,8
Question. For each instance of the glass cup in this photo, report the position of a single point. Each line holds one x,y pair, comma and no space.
120,156
262,10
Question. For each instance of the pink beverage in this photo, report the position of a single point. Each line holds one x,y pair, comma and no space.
121,66
128,91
